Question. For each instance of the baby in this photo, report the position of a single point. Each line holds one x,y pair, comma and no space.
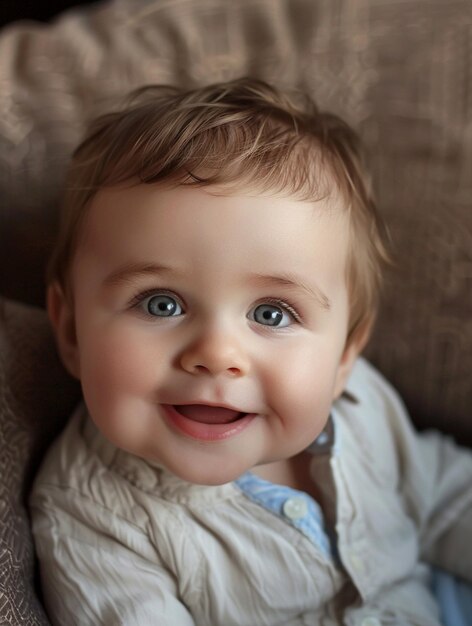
235,463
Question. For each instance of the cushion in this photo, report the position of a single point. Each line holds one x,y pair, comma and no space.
35,396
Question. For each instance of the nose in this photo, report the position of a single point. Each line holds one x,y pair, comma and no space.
215,353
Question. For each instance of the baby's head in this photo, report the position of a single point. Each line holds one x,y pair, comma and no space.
216,274
241,134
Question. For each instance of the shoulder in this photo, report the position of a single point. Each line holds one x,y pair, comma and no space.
371,391
85,483
367,381
375,425
81,462
373,394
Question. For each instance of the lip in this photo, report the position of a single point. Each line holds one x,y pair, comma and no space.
202,431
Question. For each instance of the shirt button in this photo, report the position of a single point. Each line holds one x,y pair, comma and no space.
295,508
371,621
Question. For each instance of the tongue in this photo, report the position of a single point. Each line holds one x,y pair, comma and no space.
207,414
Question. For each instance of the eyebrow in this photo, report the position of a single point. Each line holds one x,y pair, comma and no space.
129,273
294,282
133,271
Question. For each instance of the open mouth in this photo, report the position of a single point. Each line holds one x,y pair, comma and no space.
206,423
205,414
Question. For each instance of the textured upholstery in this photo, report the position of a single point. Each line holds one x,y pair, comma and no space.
400,72
35,394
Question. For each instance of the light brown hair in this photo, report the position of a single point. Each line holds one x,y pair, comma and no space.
239,133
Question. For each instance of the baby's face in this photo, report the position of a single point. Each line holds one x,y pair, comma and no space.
210,329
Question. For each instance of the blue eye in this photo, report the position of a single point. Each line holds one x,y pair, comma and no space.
162,306
272,315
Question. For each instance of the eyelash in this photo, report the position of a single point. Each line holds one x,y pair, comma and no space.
283,304
142,295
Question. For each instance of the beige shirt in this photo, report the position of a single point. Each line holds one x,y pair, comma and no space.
121,541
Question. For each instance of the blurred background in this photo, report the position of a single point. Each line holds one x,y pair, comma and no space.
11,10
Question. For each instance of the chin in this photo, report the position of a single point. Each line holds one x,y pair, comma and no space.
213,477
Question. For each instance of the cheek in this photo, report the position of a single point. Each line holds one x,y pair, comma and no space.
118,361
302,378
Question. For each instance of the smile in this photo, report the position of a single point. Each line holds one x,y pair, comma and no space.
206,423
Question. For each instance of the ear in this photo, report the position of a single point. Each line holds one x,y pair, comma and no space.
61,316
354,346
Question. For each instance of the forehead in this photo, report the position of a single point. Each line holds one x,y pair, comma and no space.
211,230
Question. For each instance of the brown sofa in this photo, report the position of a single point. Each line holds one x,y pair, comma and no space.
400,72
